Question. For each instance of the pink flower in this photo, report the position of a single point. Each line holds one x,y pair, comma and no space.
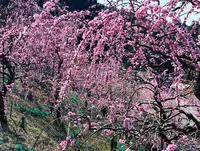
122,141
164,10
48,4
126,123
185,138
86,127
72,143
198,40
94,124
89,117
171,147
12,85
91,23
37,17
108,132
68,138
141,108
171,14
176,20
71,113
198,66
63,144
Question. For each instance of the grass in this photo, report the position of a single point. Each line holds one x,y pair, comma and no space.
50,137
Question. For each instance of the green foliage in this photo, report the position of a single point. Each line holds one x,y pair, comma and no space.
1,140
74,131
141,148
33,111
120,146
20,147
73,98
84,109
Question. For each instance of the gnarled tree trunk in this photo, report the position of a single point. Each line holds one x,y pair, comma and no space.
196,87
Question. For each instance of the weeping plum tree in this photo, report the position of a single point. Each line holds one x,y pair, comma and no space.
155,41
128,67
12,16
17,63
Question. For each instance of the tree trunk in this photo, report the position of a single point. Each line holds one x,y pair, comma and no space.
3,119
113,144
196,87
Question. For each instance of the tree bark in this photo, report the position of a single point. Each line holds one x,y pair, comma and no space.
3,119
196,87
11,77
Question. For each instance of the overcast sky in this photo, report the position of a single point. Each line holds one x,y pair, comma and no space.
191,17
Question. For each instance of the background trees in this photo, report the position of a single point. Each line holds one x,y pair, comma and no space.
126,66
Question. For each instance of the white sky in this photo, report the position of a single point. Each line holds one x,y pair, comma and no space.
191,17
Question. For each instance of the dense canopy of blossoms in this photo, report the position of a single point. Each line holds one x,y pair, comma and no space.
129,64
